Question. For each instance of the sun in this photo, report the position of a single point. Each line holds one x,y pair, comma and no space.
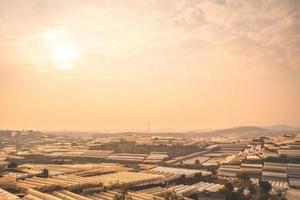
63,52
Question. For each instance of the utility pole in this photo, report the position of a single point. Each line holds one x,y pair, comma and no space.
148,128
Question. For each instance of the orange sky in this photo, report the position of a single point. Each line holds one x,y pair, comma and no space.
188,64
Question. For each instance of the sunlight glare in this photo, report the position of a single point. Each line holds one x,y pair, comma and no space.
62,50
63,54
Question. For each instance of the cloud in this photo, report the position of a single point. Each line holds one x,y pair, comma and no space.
260,33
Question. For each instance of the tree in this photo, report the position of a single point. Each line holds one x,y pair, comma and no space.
45,173
265,188
122,193
171,195
236,196
213,170
252,189
230,194
136,168
229,187
12,165
198,175
280,196
244,177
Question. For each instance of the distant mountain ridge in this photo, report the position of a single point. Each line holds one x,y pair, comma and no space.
240,130
283,127
255,130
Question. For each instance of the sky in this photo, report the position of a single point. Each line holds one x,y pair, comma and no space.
180,64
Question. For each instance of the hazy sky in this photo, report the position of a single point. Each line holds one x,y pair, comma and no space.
103,64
